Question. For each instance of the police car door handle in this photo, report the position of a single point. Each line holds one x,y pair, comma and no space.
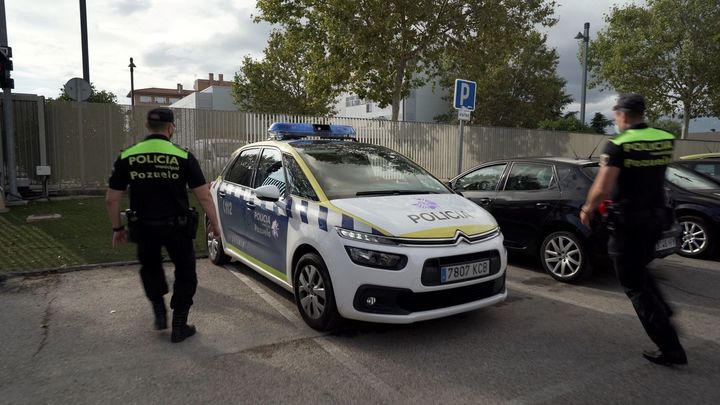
222,194
484,201
250,205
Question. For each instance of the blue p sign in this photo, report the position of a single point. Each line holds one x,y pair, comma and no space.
465,94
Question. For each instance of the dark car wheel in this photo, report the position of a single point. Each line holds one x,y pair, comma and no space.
314,293
563,256
215,247
696,239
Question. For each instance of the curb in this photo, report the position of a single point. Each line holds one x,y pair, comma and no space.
72,269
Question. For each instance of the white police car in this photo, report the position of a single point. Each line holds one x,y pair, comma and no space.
355,230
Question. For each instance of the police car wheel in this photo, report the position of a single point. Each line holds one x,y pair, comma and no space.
696,240
563,256
314,293
215,248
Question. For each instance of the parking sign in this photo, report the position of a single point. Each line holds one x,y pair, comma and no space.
465,94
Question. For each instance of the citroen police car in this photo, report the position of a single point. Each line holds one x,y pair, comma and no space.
354,230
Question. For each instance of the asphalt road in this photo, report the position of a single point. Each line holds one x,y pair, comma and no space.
86,337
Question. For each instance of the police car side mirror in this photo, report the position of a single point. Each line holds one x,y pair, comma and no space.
268,193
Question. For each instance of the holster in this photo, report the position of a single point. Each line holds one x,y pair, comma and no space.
133,224
188,224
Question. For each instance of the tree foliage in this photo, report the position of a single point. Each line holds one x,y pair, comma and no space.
102,96
517,89
289,79
668,51
599,122
671,126
568,122
382,49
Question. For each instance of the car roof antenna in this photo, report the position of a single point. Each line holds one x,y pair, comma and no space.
595,148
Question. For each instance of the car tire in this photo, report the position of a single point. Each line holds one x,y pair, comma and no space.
697,239
564,257
215,247
314,294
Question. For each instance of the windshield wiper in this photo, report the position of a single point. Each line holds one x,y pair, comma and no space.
394,192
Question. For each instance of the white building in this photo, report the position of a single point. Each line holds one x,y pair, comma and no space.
217,98
422,105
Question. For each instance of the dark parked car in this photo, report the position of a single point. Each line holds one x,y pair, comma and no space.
697,206
537,204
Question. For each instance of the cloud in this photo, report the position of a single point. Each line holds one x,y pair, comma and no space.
127,7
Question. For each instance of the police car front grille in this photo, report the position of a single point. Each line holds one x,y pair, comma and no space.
431,269
459,237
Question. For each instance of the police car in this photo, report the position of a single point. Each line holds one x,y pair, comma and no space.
354,230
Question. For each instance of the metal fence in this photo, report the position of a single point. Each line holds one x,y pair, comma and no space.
83,139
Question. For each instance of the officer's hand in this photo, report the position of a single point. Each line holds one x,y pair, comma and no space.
211,230
585,218
119,238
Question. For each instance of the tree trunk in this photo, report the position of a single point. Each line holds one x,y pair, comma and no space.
397,90
686,120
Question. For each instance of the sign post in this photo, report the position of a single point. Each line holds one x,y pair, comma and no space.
465,91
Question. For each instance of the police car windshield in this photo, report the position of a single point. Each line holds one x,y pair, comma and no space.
348,169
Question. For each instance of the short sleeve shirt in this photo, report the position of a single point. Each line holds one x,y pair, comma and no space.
157,174
642,155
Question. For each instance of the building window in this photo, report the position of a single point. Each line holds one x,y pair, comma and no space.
368,107
145,99
160,100
352,101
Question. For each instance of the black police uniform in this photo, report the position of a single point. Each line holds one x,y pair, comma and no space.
638,218
157,173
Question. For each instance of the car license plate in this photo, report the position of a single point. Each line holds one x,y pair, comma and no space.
464,271
664,244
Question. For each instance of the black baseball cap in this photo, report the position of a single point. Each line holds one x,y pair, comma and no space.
630,102
161,115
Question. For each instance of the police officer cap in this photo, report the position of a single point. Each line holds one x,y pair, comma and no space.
630,102
161,114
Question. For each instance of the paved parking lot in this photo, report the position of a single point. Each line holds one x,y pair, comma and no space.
86,337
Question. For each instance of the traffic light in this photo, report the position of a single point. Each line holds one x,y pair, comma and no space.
6,66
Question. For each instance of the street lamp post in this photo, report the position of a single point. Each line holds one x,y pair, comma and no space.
132,83
586,39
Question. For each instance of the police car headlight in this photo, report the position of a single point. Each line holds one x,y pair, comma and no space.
365,237
371,258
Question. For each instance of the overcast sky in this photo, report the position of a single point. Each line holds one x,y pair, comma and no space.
177,41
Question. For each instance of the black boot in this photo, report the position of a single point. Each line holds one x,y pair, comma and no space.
180,329
160,314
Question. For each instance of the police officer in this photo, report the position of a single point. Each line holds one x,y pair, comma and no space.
157,173
633,170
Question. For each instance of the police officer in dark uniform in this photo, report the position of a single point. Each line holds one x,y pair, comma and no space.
633,170
157,174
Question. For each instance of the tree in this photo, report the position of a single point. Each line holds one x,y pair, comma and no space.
668,51
382,49
288,79
599,122
671,126
103,96
517,90
569,122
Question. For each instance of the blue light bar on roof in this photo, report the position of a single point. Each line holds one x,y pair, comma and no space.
287,130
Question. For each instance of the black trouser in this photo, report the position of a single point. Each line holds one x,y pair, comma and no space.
632,247
182,253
